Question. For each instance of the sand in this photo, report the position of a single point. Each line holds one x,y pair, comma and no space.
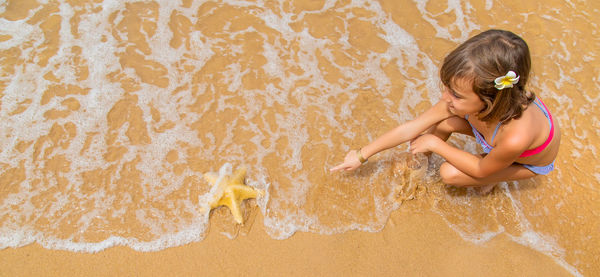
416,244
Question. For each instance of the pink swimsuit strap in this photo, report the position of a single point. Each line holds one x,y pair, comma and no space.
540,148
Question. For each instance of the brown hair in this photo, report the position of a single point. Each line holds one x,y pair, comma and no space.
482,59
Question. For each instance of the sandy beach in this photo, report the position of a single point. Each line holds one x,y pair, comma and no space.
416,244
113,114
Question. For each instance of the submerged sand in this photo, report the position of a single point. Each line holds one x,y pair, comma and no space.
113,111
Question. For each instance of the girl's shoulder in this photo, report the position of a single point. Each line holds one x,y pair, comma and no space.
530,128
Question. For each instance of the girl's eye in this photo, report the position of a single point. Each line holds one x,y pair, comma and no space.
454,94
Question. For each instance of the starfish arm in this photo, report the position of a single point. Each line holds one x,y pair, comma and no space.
244,192
236,212
230,202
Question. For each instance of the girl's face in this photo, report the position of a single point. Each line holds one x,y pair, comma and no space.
461,98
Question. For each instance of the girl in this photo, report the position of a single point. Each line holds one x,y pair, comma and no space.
483,96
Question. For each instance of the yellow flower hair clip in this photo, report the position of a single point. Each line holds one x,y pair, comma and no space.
506,81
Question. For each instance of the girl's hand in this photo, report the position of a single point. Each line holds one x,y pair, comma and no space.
424,143
351,162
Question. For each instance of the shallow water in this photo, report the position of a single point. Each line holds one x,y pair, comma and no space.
113,110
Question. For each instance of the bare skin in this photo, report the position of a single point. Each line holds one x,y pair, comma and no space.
429,132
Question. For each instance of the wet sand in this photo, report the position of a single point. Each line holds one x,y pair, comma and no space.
412,244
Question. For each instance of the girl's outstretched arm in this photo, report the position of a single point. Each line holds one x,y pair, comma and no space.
396,136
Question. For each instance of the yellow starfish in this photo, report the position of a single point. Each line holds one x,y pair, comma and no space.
231,192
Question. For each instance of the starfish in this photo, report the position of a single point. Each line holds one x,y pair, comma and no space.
231,192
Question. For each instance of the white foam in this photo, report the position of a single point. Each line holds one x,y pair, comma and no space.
462,22
16,237
546,245
19,31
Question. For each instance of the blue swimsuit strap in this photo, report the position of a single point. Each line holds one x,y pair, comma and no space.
543,110
480,136
495,131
